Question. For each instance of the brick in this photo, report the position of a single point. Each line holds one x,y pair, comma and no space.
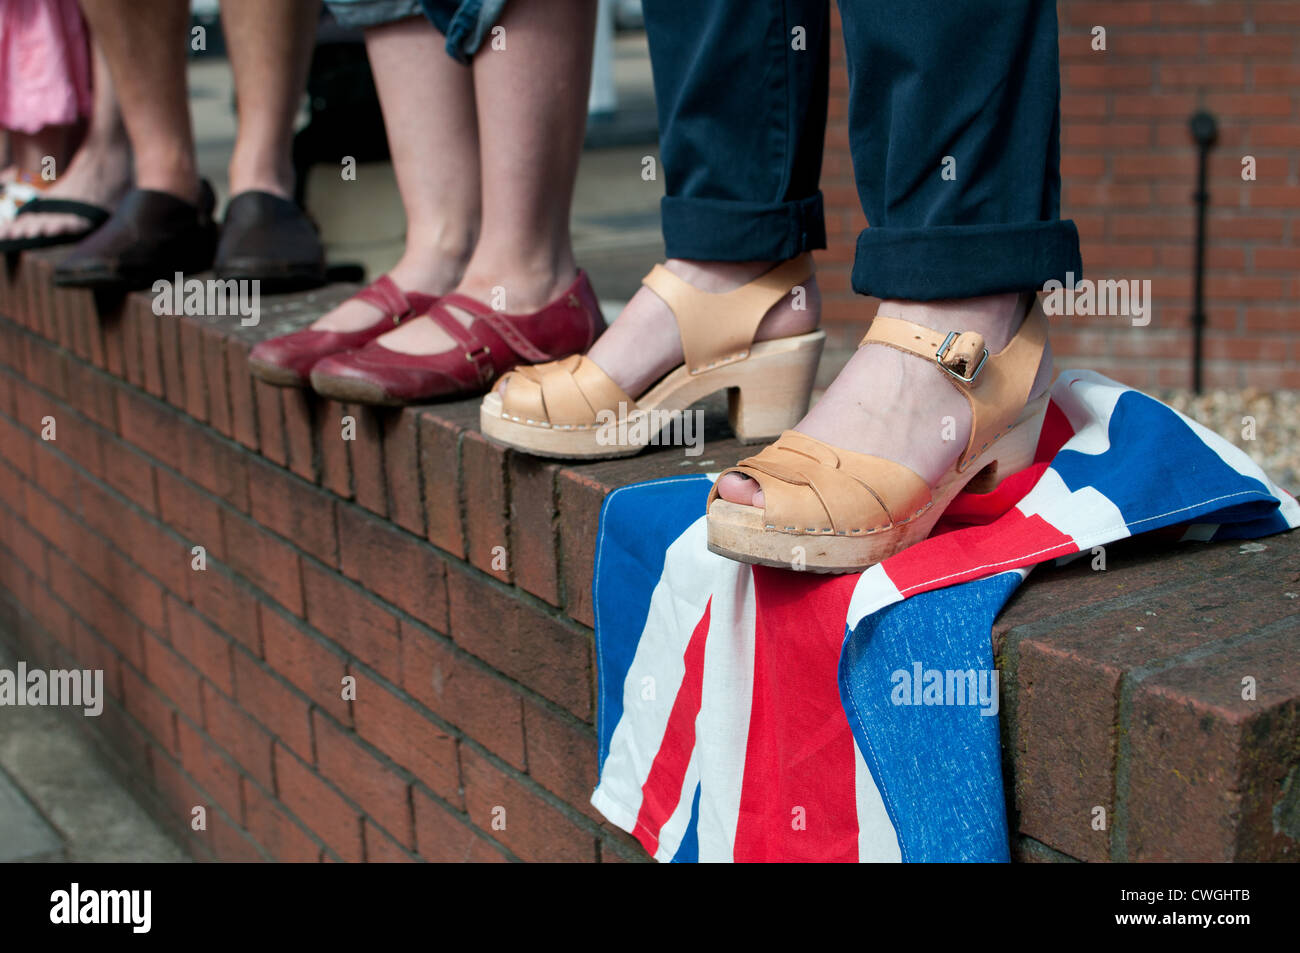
262,559
173,676
399,730
150,426
94,394
214,774
380,848
207,649
193,373
375,786
1206,766
130,474
579,501
562,755
243,411
486,496
366,454
400,441
189,511
335,468
212,347
443,836
228,604
270,422
299,512
281,710
298,432
216,465
148,707
97,609
306,662
169,354
343,613
464,692
150,352
535,829
243,739
397,567
321,808
275,831
439,465
97,655
550,657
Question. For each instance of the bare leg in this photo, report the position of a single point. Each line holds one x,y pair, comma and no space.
100,172
428,101
531,100
144,44
270,48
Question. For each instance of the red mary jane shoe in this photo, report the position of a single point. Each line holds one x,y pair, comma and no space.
495,342
288,359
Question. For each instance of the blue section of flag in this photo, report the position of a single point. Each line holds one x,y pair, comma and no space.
638,523
1158,472
938,766
688,852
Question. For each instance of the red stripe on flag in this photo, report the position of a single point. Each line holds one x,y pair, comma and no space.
663,786
1012,541
798,800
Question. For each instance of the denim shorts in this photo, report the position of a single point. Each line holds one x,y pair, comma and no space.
465,23
363,13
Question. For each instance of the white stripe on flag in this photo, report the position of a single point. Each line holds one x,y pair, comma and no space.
655,676
877,840
722,729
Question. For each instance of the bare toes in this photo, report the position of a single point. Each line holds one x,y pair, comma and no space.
738,488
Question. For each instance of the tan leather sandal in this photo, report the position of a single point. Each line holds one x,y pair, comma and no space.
832,510
572,409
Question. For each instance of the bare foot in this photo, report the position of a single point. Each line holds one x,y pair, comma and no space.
100,173
643,344
892,405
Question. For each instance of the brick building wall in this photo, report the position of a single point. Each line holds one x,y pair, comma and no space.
1128,171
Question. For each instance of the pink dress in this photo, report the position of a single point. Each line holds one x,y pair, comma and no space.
44,64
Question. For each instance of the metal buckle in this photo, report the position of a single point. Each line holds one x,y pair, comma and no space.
484,372
943,351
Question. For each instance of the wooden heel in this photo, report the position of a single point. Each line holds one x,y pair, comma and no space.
774,389
1013,452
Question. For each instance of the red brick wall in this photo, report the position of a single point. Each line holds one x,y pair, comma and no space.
474,684
1128,170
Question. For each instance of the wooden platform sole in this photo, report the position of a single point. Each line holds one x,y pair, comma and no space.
768,393
740,532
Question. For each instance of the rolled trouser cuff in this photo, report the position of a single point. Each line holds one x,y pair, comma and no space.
724,230
964,261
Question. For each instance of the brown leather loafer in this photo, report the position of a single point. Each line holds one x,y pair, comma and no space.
151,235
269,239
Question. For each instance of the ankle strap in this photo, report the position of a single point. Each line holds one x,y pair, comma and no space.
996,386
719,329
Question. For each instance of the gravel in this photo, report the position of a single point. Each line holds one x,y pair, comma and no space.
1276,415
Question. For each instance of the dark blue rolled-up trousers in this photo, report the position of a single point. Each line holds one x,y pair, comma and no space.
954,119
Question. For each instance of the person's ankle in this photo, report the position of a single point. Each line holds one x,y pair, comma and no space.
996,317
519,285
260,175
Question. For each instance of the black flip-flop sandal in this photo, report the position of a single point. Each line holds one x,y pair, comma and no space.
92,213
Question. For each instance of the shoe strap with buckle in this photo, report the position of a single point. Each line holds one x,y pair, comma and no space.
384,294
996,386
